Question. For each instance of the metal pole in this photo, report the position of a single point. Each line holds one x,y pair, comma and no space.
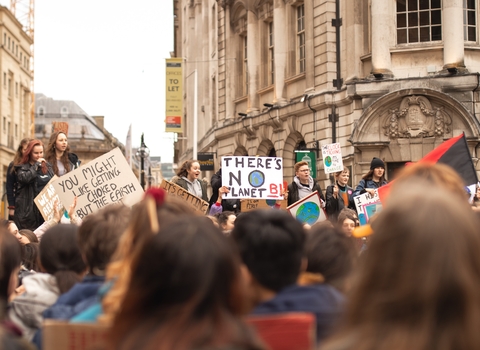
195,114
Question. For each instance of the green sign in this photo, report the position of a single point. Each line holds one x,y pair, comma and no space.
309,157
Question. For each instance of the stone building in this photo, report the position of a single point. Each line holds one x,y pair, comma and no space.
384,78
15,93
87,136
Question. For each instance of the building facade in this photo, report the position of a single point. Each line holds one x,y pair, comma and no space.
87,136
384,78
15,94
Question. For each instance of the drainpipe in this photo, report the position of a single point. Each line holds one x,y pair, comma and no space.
337,23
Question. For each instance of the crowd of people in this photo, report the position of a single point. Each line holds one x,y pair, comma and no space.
160,275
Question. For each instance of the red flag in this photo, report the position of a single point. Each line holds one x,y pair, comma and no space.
453,152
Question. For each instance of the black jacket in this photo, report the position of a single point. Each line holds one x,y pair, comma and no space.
334,205
293,192
30,181
74,162
227,204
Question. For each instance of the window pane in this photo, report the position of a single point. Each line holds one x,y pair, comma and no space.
413,35
436,4
471,18
472,34
402,36
471,4
424,18
401,6
413,19
424,4
401,21
412,5
436,17
437,33
425,34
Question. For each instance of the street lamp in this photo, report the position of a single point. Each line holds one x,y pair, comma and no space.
143,152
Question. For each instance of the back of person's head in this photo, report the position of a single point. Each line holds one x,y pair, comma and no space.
60,255
185,291
30,254
419,281
154,211
10,259
330,253
99,234
271,245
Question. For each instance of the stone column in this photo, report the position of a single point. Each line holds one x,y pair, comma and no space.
253,61
381,24
280,50
452,31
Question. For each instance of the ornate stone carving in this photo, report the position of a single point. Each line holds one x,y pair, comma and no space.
415,117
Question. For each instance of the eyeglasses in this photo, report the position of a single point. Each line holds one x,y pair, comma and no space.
304,170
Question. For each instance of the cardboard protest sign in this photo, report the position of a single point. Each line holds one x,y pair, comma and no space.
253,177
46,198
178,191
367,206
308,210
104,180
253,204
332,158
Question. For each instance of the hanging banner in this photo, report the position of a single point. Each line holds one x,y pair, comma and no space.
253,177
309,157
332,158
104,180
174,95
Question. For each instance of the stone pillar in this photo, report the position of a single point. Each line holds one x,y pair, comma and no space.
280,48
253,61
452,31
381,24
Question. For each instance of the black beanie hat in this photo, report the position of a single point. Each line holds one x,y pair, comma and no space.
377,163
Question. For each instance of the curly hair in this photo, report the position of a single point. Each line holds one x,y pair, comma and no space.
183,170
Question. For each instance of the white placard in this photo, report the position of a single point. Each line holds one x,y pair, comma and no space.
104,180
253,177
367,205
332,158
308,210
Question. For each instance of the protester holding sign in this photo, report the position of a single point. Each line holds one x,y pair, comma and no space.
372,180
33,173
188,178
303,184
59,156
339,195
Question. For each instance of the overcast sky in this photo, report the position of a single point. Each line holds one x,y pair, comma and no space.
109,57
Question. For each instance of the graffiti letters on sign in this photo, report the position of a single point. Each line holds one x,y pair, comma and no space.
253,177
177,191
46,198
104,180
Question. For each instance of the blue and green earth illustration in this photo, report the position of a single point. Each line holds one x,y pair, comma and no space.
308,213
328,161
256,178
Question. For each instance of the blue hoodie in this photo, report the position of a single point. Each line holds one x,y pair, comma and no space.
324,301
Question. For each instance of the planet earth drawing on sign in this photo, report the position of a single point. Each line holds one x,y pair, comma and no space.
256,178
308,213
271,202
328,161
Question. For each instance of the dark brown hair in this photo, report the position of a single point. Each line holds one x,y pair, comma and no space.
186,165
51,157
185,292
418,283
32,237
369,176
17,159
10,259
99,234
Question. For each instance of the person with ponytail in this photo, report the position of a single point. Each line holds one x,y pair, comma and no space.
62,266
33,173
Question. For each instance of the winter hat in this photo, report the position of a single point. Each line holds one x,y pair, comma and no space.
377,163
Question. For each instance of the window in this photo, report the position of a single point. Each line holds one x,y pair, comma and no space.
419,21
64,112
469,20
41,111
271,55
301,38
16,130
4,125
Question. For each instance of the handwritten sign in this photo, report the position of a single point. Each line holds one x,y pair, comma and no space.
367,206
253,204
308,210
332,158
104,180
46,198
253,177
178,191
